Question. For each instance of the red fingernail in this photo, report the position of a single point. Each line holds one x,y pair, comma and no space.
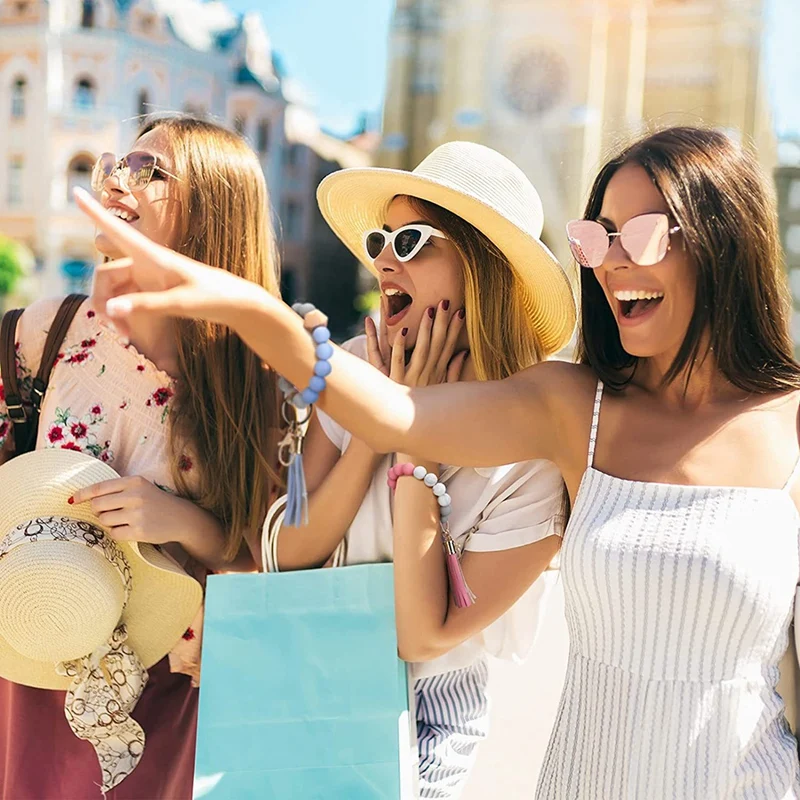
431,312
71,500
462,312
445,305
404,331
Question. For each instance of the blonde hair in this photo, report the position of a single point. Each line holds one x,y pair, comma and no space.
226,403
502,338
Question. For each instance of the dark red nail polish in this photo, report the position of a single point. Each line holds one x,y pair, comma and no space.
462,312
445,305
71,500
404,332
431,312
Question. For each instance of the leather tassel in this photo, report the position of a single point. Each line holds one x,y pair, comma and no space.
462,594
296,494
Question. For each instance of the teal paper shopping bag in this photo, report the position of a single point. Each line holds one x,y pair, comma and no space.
302,694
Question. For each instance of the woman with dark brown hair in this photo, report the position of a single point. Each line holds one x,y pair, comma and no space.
677,437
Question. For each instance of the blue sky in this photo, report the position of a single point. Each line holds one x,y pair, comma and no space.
336,49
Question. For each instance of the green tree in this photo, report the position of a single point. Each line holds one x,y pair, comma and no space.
10,267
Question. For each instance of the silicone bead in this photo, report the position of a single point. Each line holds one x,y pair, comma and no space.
430,480
439,489
310,396
320,335
318,384
324,351
419,473
445,500
285,386
445,511
299,402
303,308
322,369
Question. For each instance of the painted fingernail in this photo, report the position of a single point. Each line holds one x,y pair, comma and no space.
462,312
445,305
71,500
404,332
431,312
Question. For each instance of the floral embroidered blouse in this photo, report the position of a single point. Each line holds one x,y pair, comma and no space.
104,399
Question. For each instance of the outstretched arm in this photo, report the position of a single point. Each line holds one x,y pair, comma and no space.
471,424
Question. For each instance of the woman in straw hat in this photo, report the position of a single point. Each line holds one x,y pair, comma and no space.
677,436
454,257
184,413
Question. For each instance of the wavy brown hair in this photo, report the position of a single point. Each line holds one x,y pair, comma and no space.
502,338
226,403
725,207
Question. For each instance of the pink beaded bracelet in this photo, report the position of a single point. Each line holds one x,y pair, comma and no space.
462,595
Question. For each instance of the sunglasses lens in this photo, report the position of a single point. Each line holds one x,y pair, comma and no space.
645,238
588,242
375,244
102,169
406,241
139,170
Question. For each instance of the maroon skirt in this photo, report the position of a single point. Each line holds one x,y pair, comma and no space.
42,759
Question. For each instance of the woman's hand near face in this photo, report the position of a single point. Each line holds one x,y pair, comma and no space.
432,359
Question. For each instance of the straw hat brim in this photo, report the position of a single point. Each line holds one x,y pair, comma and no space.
164,599
353,201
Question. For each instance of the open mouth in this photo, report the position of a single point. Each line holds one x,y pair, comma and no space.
397,304
635,304
124,214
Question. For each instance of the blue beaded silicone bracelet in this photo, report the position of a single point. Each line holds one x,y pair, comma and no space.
323,351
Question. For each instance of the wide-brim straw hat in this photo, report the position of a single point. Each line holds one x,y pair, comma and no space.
485,189
60,597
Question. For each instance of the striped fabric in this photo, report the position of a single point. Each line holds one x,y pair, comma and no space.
678,604
452,718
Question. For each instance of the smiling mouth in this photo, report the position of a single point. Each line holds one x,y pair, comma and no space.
397,303
637,303
123,214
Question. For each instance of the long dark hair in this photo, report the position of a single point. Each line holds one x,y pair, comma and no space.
722,201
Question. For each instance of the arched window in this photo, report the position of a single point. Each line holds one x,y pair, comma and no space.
262,136
84,98
18,98
87,14
142,104
79,174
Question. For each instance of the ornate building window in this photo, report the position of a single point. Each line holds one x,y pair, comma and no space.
18,89
262,136
87,14
16,166
84,98
79,174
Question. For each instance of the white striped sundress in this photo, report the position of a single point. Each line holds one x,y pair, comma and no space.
678,604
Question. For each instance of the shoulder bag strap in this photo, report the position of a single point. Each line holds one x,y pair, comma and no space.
55,338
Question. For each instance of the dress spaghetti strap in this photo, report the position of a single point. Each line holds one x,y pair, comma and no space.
595,421
795,472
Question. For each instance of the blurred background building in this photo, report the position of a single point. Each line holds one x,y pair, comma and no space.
77,77
558,86
787,180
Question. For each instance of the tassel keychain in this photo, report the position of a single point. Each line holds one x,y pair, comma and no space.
290,449
462,594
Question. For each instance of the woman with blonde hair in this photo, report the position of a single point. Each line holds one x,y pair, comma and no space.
183,410
468,292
